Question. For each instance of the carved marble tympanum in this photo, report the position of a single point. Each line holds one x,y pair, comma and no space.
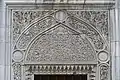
60,42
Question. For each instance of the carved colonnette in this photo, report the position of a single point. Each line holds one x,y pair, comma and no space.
60,41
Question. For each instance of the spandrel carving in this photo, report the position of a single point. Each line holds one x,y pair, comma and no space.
90,32
35,29
23,18
99,19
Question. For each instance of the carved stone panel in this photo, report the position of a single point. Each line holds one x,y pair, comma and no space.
60,45
60,38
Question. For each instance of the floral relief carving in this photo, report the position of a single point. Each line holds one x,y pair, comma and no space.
90,32
17,71
104,72
99,19
28,73
33,31
40,26
61,44
23,18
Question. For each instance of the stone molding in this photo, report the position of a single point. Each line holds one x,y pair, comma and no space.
90,70
62,1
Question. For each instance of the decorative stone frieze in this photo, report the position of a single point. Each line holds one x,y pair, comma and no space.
30,70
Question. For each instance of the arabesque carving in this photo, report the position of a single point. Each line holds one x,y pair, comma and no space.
17,71
23,18
60,45
90,32
104,72
47,22
99,19
35,29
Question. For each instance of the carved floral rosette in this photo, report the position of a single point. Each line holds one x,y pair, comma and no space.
50,41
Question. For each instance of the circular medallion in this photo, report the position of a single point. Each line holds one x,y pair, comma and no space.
17,55
103,56
60,15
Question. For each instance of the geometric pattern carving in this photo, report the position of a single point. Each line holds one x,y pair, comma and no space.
79,69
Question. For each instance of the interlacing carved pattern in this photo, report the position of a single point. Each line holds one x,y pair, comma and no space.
61,45
23,18
93,35
17,71
99,19
104,71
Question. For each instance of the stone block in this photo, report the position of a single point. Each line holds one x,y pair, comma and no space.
8,55
117,49
2,34
2,53
117,68
2,72
113,48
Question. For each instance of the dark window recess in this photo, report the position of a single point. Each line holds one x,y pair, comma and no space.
60,77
